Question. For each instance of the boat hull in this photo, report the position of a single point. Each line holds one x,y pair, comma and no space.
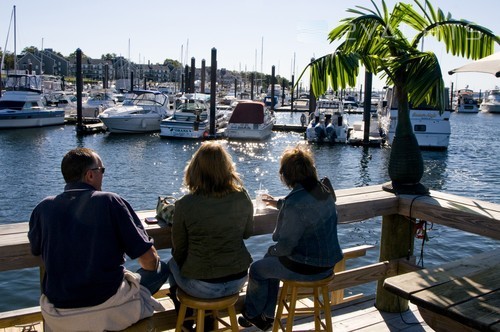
130,125
431,128
19,119
178,129
490,108
468,109
250,131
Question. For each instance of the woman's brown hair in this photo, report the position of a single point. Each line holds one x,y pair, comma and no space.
297,166
211,172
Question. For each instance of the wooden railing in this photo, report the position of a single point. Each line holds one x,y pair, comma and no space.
470,215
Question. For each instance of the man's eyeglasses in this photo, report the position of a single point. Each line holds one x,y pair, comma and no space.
102,169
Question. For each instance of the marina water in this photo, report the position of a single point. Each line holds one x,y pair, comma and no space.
141,167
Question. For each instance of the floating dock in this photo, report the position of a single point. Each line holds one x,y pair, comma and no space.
289,127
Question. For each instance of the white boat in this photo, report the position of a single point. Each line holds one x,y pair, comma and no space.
141,114
431,127
357,133
465,102
191,118
62,99
329,123
491,103
98,101
250,120
23,105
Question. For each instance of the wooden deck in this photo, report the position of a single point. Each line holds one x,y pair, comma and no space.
358,315
361,314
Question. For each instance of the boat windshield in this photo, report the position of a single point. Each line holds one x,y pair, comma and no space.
191,106
150,99
23,82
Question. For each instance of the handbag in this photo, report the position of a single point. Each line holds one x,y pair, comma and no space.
165,208
327,184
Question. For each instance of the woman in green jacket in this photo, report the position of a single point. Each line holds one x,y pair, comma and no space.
210,259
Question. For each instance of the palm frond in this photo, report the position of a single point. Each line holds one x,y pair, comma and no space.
336,70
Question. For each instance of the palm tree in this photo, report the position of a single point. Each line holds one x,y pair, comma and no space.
374,39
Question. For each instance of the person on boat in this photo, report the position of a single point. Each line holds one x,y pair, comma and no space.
83,235
209,256
307,246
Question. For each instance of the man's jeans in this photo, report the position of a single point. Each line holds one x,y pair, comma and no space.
263,285
153,280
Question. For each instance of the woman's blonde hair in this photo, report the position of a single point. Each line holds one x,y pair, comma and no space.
211,172
297,166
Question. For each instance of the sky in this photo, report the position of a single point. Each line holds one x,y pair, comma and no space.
247,35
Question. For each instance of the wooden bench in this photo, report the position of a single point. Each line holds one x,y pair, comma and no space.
166,320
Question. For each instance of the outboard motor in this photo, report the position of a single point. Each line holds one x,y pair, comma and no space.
331,133
319,130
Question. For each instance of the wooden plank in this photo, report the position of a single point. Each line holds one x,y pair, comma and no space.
442,323
20,316
469,215
361,275
443,296
409,283
485,311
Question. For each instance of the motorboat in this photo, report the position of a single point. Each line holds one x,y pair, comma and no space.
431,126
23,105
191,118
141,114
491,103
357,133
250,120
301,105
329,123
98,101
62,99
465,102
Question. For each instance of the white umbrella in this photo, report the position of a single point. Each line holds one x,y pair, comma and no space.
489,65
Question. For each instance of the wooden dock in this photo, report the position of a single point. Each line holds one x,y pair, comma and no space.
361,313
289,128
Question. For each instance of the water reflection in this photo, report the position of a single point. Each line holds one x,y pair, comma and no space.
435,174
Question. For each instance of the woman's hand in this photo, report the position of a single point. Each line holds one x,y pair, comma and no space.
269,200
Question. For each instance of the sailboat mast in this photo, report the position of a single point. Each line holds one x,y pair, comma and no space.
15,38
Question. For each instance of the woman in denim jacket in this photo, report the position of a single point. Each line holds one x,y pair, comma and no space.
307,246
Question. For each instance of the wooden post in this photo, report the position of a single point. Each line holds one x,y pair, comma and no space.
79,88
272,87
193,75
367,105
203,73
396,242
252,78
186,79
213,90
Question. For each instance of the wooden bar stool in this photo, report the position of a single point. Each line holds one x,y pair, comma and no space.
203,305
294,290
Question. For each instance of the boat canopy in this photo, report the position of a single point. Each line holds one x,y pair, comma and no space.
248,112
